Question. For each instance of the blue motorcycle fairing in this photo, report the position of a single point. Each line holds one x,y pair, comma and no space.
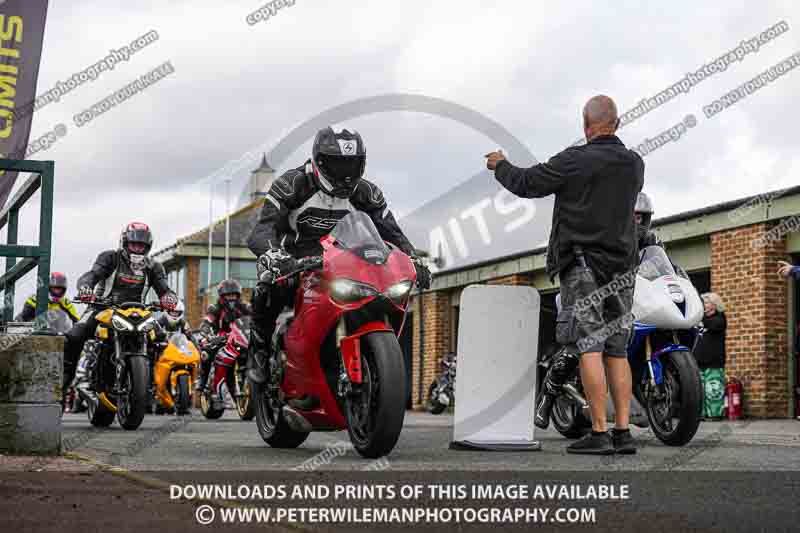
655,359
640,332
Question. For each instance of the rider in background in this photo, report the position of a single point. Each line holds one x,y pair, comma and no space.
57,299
643,216
302,206
173,321
219,317
126,275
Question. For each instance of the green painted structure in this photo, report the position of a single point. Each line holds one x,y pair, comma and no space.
33,256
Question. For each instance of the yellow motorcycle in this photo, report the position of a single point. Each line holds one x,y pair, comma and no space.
174,372
117,365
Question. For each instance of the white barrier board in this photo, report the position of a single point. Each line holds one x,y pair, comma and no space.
498,339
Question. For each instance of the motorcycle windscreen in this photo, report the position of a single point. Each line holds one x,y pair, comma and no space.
498,339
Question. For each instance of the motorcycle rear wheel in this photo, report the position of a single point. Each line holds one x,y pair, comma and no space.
434,406
99,416
244,402
685,401
375,417
207,406
271,424
131,409
184,398
568,419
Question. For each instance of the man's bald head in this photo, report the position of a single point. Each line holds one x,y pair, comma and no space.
600,117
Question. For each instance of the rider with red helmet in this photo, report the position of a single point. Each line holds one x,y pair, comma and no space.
125,275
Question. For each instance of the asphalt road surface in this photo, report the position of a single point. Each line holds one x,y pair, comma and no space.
194,443
742,476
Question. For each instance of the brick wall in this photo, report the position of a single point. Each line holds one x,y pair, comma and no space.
743,274
514,279
438,313
194,308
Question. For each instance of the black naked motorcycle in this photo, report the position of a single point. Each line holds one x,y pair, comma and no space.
116,365
441,393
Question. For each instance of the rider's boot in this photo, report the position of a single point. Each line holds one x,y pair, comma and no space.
262,327
205,367
258,356
564,364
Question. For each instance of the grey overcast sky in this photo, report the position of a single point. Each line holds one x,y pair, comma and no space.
528,65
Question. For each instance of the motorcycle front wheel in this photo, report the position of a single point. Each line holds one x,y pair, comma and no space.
675,411
183,400
435,407
133,404
375,413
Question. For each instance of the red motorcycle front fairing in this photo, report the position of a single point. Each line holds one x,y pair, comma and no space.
351,349
227,355
317,314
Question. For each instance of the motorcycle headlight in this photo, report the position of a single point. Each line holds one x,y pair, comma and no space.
398,292
121,324
346,290
147,325
676,294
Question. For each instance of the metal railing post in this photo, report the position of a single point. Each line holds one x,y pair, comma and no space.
10,290
45,237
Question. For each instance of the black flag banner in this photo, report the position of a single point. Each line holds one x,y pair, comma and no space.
21,34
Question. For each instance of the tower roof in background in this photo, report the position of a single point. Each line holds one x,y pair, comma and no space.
264,166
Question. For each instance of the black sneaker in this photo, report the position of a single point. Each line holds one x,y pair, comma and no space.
593,444
543,409
624,443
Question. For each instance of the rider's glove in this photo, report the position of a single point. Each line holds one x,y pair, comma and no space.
274,264
169,301
423,273
85,295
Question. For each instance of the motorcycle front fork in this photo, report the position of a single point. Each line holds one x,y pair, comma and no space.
345,387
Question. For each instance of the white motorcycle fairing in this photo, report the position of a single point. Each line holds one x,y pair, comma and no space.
653,305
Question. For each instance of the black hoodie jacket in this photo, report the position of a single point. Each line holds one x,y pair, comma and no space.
595,186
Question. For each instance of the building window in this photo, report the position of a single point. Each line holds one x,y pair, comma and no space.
242,270
180,282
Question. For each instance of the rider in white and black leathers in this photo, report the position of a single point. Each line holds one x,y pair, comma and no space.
302,206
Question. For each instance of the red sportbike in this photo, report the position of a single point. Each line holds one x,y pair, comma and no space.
227,373
337,361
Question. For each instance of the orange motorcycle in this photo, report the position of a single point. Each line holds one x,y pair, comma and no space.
174,372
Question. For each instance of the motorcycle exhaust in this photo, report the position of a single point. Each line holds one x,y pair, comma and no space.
305,403
573,393
296,421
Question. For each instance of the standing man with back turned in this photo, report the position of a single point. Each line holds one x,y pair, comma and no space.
592,241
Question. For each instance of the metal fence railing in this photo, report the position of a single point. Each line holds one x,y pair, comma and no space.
32,256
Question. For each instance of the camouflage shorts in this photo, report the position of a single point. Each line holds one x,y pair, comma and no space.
594,318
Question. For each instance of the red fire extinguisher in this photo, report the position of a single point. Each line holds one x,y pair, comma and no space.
733,399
